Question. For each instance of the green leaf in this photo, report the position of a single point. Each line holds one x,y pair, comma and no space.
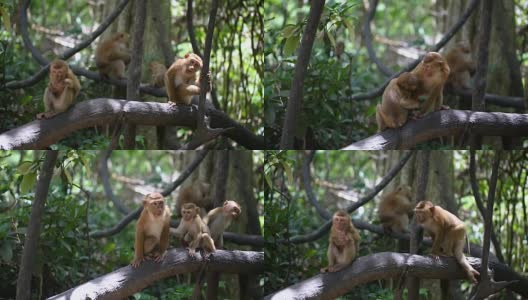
288,30
66,245
24,167
291,44
109,247
28,182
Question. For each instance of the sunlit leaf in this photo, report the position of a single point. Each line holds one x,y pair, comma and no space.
28,182
291,44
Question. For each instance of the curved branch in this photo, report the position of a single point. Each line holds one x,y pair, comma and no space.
105,178
446,123
42,133
307,182
318,233
449,34
505,101
385,265
126,281
295,96
367,36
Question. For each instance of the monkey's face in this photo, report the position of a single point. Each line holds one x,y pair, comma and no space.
423,211
188,213
192,66
156,207
58,72
341,222
232,208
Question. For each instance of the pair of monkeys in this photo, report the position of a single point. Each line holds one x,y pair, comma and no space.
446,230
180,79
428,78
153,228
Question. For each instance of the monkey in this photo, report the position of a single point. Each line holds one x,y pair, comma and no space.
343,244
433,72
399,97
462,66
220,218
181,79
194,230
112,55
198,193
152,230
395,208
62,89
447,232
158,73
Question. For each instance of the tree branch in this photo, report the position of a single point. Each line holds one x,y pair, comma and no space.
307,182
384,265
40,134
367,37
124,282
446,123
296,91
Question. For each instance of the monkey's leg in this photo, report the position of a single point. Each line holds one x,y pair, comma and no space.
116,69
185,90
379,119
409,103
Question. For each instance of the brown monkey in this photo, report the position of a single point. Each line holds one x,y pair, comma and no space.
194,230
158,73
220,218
462,66
447,231
181,79
395,208
62,89
433,72
198,193
152,230
343,244
112,55
399,97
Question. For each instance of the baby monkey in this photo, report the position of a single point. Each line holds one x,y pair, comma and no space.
447,231
399,97
193,230
152,230
343,244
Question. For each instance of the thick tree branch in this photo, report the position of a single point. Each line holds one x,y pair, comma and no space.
385,265
190,28
446,123
40,134
124,282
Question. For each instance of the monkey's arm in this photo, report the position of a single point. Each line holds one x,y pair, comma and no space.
187,90
138,248
118,53
164,238
169,84
181,231
437,241
409,103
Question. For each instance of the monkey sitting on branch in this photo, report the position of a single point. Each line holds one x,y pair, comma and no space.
400,96
343,244
220,218
395,208
447,232
193,231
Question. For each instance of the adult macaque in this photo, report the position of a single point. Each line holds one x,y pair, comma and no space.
343,244
219,219
395,208
447,231
181,79
193,230
152,230
157,70
112,55
433,72
198,193
399,97
62,89
462,66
